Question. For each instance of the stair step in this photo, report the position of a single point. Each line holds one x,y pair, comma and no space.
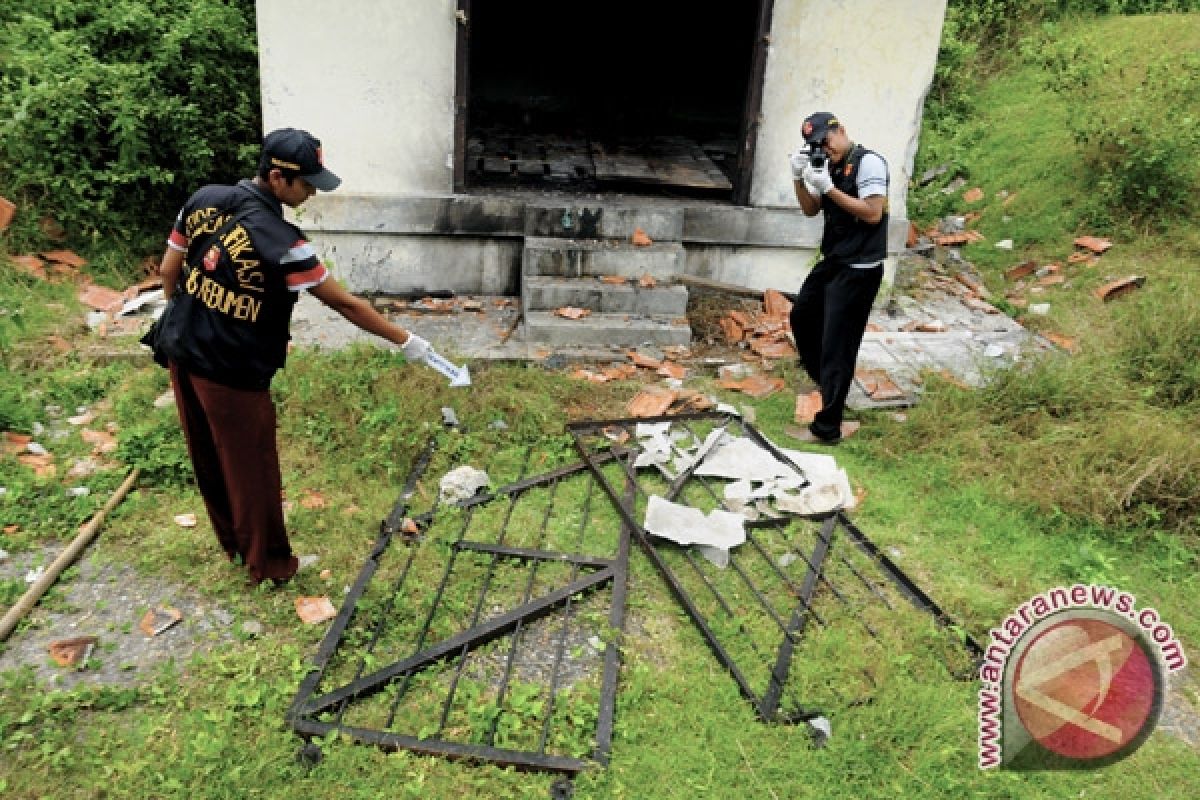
617,330
599,221
575,258
540,292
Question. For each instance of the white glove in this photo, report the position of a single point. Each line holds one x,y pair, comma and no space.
799,161
818,178
416,348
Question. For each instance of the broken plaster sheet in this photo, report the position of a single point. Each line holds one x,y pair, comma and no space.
686,525
672,451
820,487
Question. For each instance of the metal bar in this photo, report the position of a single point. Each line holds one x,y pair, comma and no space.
483,633
534,555
337,629
783,662
436,747
612,653
568,608
487,584
517,631
905,584
664,571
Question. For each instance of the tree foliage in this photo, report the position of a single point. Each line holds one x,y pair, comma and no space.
110,113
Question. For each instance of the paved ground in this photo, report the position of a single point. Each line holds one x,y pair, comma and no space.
929,321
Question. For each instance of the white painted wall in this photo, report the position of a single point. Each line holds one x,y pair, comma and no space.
374,81
870,62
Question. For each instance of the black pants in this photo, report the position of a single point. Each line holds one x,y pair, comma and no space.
828,320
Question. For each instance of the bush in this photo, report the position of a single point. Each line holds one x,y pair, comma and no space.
110,114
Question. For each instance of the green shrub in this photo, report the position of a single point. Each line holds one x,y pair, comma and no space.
111,113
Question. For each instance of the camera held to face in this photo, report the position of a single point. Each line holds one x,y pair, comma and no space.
817,157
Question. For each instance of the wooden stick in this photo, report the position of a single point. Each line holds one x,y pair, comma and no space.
85,536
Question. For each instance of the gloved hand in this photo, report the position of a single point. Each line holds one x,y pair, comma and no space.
818,178
798,160
416,348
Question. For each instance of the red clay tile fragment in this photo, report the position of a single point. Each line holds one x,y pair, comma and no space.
31,265
614,280
72,652
640,360
776,304
647,281
571,312
101,298
651,403
1093,243
755,385
312,610
669,369
1064,342
157,620
807,406
8,210
1119,287
973,195
1020,270
640,239
64,257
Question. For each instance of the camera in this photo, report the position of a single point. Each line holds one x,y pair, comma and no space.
817,157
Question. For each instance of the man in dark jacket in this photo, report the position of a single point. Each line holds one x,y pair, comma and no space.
233,270
849,183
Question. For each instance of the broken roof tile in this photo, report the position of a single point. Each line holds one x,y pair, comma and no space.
65,257
807,406
641,360
640,239
571,312
647,281
772,347
614,280
1067,343
101,298
756,385
31,265
312,610
1093,243
776,304
973,195
733,330
651,403
1119,287
8,210
72,652
1020,270
669,369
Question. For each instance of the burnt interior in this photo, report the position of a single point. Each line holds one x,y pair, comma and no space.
643,96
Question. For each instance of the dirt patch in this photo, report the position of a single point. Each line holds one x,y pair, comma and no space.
108,600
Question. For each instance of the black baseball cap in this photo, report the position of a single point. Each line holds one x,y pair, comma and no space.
817,126
300,152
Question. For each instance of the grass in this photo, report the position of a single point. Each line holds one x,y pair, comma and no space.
1074,469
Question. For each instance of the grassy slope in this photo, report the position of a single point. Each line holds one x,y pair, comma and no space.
953,490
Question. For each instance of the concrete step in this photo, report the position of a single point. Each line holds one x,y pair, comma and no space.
575,258
546,293
613,330
575,219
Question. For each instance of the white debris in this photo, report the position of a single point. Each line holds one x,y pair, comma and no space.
1041,309
687,525
34,575
165,399
461,484
1005,244
36,449
78,491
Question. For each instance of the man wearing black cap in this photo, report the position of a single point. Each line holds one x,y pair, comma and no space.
234,268
849,183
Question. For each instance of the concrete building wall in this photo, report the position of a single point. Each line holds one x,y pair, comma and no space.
870,62
373,79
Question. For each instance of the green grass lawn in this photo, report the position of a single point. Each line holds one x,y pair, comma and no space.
1080,469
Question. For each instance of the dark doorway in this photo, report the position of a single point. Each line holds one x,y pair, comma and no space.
654,96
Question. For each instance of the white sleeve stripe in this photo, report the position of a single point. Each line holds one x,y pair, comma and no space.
300,287
301,252
176,247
